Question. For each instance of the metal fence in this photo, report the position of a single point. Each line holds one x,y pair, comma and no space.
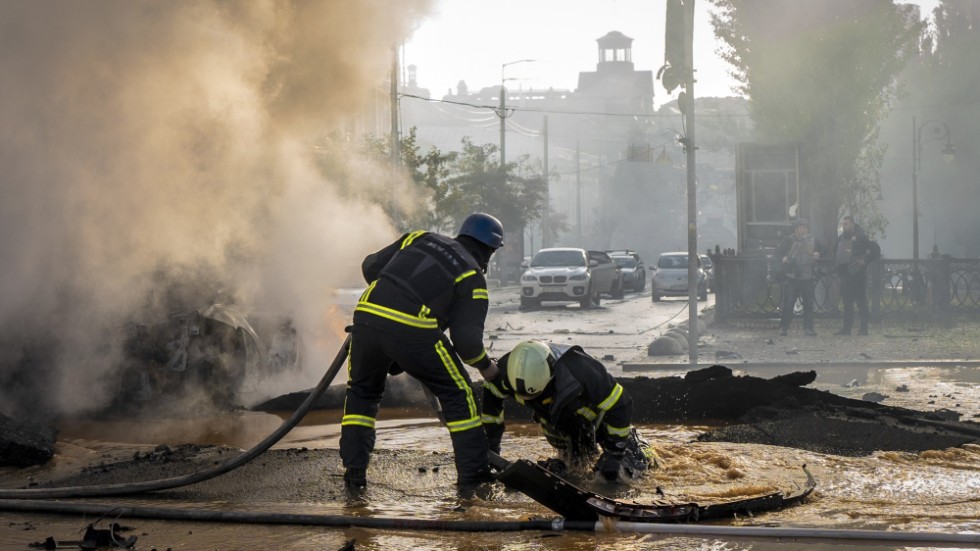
746,287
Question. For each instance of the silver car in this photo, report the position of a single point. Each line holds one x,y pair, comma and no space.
670,277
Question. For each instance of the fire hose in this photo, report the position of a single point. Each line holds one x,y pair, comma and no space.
822,535
130,488
21,500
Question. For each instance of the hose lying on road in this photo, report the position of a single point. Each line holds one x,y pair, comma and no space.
191,478
930,539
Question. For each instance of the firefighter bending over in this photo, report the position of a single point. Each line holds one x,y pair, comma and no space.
578,404
419,286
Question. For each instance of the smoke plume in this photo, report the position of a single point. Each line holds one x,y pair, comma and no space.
146,143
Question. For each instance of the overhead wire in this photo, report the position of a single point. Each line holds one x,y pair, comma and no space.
511,108
608,164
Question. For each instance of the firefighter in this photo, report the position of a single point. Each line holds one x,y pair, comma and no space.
419,286
578,404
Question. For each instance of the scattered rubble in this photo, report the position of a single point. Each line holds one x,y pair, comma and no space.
664,346
780,411
25,444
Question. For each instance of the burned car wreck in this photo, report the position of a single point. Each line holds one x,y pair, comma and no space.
215,352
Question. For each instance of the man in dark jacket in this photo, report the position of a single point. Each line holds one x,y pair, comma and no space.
419,286
851,257
578,404
798,254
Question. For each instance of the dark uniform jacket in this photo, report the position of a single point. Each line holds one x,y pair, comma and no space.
851,247
426,282
800,252
581,392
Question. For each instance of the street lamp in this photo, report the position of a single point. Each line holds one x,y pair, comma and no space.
502,113
940,131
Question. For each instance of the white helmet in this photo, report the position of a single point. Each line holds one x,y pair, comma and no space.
529,368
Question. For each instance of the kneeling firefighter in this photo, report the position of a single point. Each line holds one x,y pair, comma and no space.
578,404
419,286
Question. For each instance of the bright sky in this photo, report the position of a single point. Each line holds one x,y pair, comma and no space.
469,40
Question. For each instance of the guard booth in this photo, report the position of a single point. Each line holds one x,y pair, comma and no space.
768,195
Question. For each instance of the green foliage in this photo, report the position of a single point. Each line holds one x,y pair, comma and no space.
451,186
942,86
428,172
514,194
821,73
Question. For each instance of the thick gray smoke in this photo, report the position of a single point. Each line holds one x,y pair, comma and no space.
146,142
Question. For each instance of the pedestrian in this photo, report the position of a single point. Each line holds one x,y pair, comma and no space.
419,286
578,404
850,255
799,253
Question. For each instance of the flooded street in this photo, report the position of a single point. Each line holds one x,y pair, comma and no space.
411,476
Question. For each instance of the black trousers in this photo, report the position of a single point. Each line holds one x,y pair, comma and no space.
853,290
429,357
793,289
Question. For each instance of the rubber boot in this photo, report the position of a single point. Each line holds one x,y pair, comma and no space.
355,479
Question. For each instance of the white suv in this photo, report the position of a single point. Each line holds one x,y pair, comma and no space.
570,274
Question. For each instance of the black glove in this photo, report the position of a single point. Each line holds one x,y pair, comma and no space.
554,465
609,464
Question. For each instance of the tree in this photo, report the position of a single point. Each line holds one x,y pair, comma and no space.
514,193
821,73
942,86
428,173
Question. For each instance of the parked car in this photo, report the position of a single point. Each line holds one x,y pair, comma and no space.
670,277
633,268
709,271
570,274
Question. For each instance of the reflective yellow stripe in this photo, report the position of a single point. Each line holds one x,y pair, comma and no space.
465,275
412,237
395,315
367,292
424,311
587,413
494,390
461,383
466,424
616,431
492,419
358,420
481,293
613,397
483,354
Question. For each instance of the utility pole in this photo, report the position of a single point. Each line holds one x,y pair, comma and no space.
578,189
502,110
503,118
395,146
678,70
545,221
692,207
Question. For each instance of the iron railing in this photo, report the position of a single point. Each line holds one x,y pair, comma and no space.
746,287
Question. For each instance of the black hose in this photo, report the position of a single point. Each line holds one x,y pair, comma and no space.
192,478
255,517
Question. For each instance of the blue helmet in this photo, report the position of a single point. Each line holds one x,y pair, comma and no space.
484,228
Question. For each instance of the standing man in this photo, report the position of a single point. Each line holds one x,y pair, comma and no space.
799,253
419,286
579,405
852,263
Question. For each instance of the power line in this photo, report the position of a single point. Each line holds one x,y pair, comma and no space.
496,109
